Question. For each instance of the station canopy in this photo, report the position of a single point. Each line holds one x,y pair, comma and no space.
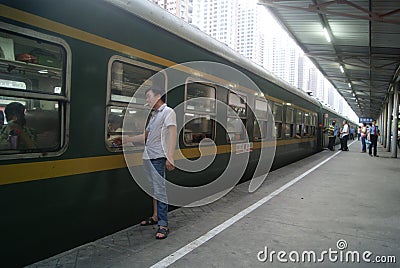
355,45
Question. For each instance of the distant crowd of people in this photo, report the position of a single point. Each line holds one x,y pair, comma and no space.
367,134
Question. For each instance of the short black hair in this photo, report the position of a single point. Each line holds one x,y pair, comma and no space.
15,109
157,91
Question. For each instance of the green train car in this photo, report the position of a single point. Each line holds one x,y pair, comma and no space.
74,66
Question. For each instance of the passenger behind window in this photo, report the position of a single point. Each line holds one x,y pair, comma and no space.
15,135
298,131
235,129
114,129
1,118
46,125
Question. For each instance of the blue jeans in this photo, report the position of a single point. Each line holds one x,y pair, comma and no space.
155,172
364,149
374,142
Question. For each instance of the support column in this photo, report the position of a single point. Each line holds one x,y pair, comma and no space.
389,122
395,119
384,121
380,139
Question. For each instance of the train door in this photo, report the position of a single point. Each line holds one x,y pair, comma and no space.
325,125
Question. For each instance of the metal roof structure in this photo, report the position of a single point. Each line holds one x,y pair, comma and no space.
362,57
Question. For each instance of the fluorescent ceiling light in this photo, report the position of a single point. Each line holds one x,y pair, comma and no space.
328,38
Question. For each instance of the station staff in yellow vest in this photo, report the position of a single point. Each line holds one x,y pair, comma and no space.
331,136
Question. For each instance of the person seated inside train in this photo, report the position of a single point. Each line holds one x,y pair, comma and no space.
1,118
235,130
114,129
15,135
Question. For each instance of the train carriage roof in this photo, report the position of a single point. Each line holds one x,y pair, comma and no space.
161,18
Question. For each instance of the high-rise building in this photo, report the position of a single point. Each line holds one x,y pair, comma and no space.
331,95
341,105
250,39
217,18
301,73
180,8
281,58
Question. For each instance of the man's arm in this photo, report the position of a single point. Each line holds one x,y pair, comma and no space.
171,147
141,138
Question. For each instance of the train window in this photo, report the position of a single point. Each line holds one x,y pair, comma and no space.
261,123
277,112
278,115
299,124
307,123
125,77
33,93
314,123
289,128
261,107
238,105
133,126
200,112
326,120
31,64
307,119
236,121
299,117
202,98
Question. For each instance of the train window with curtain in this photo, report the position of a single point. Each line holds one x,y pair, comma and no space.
289,127
326,120
261,125
307,125
33,93
277,111
237,117
299,124
124,78
314,124
200,112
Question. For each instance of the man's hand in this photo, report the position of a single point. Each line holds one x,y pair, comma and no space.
117,141
170,164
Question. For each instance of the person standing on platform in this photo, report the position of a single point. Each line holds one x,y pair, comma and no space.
331,136
374,134
160,140
363,137
345,136
352,133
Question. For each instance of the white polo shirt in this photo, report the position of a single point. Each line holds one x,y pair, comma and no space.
345,130
157,138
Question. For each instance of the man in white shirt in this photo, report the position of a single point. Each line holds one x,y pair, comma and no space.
160,140
344,135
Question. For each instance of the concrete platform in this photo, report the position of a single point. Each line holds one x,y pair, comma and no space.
343,202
